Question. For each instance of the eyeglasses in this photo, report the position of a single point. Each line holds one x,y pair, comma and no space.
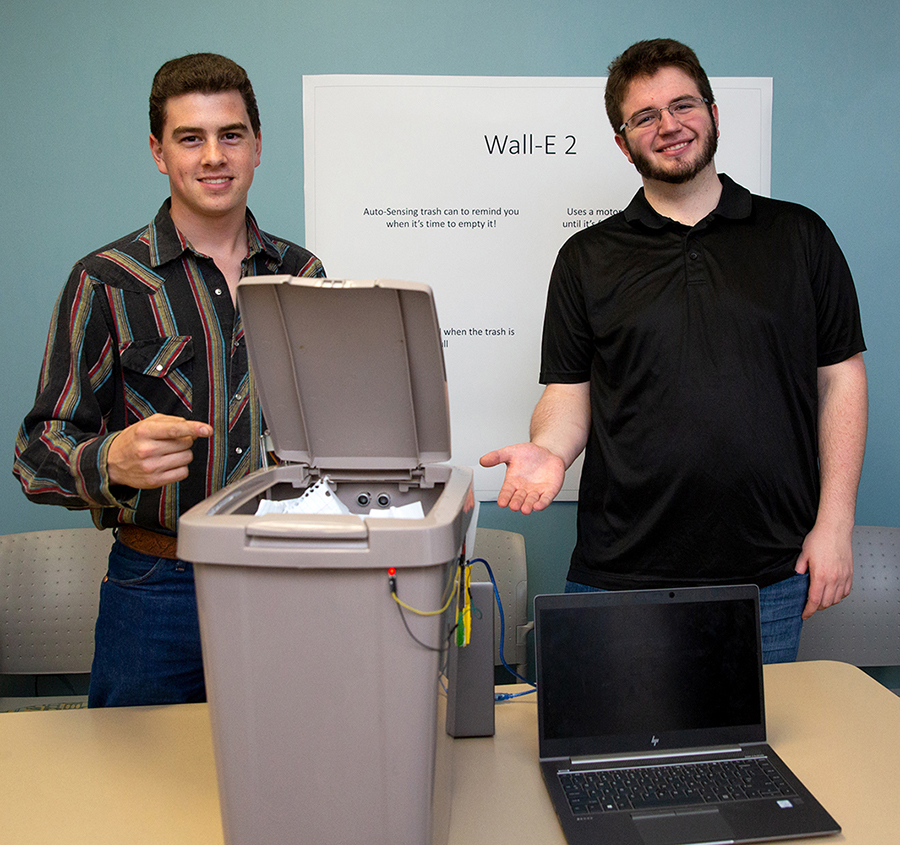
650,118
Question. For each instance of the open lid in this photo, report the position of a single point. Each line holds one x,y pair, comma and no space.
350,374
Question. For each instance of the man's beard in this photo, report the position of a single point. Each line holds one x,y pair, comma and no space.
683,171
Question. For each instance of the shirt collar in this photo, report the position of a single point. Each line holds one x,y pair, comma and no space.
167,243
735,203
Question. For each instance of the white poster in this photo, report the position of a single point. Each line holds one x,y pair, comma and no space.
471,185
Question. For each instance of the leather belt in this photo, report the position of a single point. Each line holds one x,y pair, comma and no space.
148,542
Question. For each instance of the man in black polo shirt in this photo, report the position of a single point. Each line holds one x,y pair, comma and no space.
704,347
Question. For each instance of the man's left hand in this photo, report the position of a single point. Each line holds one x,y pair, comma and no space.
827,555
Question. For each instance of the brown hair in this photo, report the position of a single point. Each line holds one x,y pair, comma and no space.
644,59
204,73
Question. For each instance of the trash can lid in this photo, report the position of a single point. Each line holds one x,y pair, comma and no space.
350,374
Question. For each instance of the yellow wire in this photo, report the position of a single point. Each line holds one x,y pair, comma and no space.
430,612
466,615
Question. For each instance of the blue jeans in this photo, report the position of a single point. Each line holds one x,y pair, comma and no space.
780,606
147,639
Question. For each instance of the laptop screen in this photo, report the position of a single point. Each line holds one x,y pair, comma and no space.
648,670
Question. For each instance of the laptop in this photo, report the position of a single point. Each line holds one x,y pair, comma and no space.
652,725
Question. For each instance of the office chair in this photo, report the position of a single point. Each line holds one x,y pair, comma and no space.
864,629
49,588
505,553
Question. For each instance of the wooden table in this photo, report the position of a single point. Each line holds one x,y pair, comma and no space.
145,775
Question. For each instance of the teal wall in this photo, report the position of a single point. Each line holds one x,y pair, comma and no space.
76,170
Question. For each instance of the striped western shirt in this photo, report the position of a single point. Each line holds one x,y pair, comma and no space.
147,325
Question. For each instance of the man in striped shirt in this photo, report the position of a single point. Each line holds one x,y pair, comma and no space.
146,404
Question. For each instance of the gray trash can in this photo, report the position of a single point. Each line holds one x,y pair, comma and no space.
323,689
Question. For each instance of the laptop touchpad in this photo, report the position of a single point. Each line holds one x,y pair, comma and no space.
678,827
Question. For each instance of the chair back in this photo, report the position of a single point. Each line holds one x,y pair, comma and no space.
505,553
864,629
49,589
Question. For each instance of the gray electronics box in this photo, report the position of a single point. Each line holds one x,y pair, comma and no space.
326,714
470,671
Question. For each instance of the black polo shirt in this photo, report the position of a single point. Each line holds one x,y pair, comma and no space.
702,346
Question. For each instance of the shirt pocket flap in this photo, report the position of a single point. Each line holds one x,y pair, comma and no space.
158,356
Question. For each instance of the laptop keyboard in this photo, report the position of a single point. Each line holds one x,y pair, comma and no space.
649,787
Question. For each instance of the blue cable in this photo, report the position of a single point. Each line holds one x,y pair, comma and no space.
502,696
506,696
